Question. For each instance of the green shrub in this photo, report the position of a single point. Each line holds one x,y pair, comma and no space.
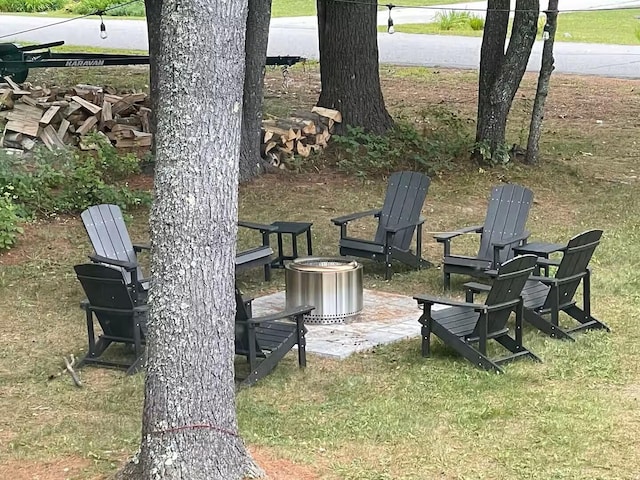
476,23
84,7
9,219
30,5
65,181
450,19
430,144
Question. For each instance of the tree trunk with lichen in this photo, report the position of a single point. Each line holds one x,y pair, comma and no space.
501,71
547,67
258,18
349,69
189,427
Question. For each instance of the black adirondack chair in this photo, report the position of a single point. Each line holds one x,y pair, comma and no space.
546,296
398,219
466,324
503,229
265,340
121,314
111,243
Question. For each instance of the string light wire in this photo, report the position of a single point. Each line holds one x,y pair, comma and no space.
97,12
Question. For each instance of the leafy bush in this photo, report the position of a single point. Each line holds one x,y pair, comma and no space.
30,5
84,7
476,23
450,19
64,180
9,220
430,145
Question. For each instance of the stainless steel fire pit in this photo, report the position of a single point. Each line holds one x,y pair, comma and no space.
332,285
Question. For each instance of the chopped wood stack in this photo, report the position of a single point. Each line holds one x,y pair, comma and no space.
40,114
302,133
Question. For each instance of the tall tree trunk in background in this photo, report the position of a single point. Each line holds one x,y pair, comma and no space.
189,423
348,40
537,114
500,71
258,18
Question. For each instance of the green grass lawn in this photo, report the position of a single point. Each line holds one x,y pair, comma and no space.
297,8
387,413
611,27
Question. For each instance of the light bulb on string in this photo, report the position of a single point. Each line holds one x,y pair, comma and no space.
103,29
390,28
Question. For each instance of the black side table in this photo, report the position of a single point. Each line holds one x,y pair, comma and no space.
294,229
539,249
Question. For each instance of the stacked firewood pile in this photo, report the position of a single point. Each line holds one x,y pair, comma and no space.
57,118
302,133
33,114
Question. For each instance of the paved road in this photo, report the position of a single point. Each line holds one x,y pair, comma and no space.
298,36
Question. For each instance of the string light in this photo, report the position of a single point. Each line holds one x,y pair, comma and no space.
103,28
390,28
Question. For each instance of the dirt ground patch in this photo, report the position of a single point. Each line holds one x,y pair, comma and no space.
281,469
60,469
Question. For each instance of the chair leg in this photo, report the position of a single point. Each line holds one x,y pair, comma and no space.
426,340
446,280
302,341
539,322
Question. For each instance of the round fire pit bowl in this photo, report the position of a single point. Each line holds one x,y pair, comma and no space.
332,285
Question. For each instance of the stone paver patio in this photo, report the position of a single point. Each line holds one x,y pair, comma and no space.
385,318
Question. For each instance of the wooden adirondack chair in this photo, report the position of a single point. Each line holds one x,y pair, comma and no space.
265,340
111,243
121,314
546,296
466,324
256,256
503,229
398,219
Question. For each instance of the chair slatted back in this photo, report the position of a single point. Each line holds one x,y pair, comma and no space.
507,287
109,297
406,193
575,260
506,218
108,234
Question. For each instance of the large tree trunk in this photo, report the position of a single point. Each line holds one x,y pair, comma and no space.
501,72
256,54
348,40
537,113
189,422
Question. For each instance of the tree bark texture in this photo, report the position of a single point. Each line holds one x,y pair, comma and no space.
197,64
500,71
258,18
547,67
349,70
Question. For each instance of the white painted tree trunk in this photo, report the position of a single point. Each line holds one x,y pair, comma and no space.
189,425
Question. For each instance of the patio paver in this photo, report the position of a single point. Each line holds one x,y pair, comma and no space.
385,318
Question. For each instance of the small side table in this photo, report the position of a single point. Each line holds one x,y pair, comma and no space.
294,229
539,249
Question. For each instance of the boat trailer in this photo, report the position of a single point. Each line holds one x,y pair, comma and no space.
16,60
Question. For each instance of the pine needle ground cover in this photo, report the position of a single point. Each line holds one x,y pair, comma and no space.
386,413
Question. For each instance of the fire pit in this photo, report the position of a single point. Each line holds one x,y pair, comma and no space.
332,285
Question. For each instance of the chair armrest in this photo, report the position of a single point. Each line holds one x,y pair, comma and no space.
355,216
558,281
444,236
432,300
545,262
477,287
517,239
112,261
292,312
401,226
138,247
257,226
